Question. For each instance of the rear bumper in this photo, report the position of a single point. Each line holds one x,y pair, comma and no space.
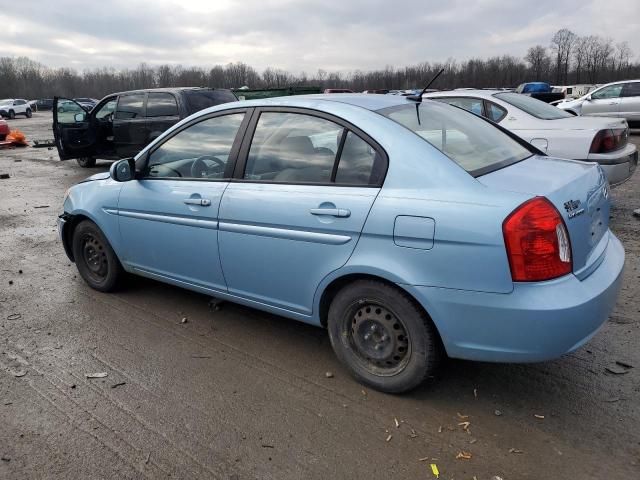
618,166
535,322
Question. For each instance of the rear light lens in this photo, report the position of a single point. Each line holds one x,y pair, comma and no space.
609,140
537,242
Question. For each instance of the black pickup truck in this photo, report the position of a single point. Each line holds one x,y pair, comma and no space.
122,124
540,90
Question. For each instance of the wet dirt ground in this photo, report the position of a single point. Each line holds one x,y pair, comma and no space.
238,393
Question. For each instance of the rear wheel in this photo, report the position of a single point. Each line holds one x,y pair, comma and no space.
96,261
385,340
86,162
29,114
12,114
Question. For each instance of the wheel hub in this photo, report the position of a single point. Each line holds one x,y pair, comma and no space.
94,256
379,337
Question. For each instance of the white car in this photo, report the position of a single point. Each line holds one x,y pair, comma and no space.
617,99
553,131
10,107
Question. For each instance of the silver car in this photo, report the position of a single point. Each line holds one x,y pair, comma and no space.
617,99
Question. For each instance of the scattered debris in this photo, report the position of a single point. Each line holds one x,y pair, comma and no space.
184,320
463,456
462,417
4,176
396,422
389,438
20,272
424,459
515,450
215,304
147,459
364,392
20,373
497,413
636,213
14,316
475,392
73,386
200,356
41,206
328,374
17,160
44,143
119,384
5,458
434,469
624,364
96,375
266,445
612,399
616,370
413,433
473,440
538,416
464,425
10,282
440,429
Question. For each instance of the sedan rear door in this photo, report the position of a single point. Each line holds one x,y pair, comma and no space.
303,188
630,102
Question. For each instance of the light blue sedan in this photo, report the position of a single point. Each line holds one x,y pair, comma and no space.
408,229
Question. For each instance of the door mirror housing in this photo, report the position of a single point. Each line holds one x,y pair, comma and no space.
588,98
123,170
79,117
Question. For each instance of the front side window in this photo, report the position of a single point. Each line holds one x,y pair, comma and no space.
200,151
293,147
106,110
612,91
631,89
130,106
160,104
532,106
471,142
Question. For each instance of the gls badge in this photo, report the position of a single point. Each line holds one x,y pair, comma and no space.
573,208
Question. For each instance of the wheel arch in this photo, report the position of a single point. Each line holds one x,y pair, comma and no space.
72,220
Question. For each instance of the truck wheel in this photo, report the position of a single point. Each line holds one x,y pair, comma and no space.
382,336
12,114
97,263
29,114
86,162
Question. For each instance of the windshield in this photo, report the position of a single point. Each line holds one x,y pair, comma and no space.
537,108
470,141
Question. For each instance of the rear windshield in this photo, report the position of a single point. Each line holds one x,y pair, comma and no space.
537,108
200,99
470,141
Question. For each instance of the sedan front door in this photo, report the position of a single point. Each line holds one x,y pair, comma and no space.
169,216
303,189
604,102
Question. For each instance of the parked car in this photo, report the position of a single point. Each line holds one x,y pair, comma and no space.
379,91
44,104
10,107
337,90
572,91
86,103
122,124
402,227
555,132
4,130
617,99
540,91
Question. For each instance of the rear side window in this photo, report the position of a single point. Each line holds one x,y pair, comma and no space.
200,99
532,106
631,89
161,105
130,106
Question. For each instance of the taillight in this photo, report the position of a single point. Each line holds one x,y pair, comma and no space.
537,242
609,140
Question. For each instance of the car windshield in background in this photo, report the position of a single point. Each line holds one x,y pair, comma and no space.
200,99
537,108
470,141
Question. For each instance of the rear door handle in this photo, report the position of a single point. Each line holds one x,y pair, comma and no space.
203,202
334,212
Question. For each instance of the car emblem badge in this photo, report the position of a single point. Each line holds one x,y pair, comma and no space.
573,208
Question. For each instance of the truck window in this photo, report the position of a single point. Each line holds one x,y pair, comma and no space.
200,99
161,105
130,106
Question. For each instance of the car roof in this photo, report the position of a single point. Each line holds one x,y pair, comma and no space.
465,93
368,101
166,89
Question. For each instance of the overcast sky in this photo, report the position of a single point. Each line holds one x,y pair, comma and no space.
299,35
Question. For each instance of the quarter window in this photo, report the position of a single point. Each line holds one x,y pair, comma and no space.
293,148
495,112
199,151
359,163
130,106
161,105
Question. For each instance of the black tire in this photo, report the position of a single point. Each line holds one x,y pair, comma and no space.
12,114
411,351
96,261
86,162
29,114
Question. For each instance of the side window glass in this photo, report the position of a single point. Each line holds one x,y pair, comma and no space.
359,163
107,109
608,92
199,151
495,112
130,106
631,89
161,105
473,105
293,148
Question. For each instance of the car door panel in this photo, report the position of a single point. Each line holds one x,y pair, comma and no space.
276,244
630,102
130,134
73,138
604,102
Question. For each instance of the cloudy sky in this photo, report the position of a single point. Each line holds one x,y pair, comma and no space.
299,35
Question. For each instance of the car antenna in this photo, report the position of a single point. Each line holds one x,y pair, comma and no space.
418,98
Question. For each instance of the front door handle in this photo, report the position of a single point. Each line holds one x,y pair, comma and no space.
334,212
203,202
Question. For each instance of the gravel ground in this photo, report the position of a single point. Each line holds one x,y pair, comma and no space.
238,393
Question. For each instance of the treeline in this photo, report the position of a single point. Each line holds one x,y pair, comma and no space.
569,59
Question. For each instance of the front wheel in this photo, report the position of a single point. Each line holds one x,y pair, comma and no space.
28,113
12,114
384,339
97,263
86,162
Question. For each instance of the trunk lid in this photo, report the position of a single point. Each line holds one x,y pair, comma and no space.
578,190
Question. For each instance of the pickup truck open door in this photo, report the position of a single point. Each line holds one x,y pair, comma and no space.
75,134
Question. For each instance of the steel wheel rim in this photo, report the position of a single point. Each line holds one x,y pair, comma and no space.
95,257
378,338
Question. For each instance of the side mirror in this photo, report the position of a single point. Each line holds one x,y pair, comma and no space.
79,117
588,97
123,170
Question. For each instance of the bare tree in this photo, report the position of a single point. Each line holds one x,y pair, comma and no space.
562,44
539,60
